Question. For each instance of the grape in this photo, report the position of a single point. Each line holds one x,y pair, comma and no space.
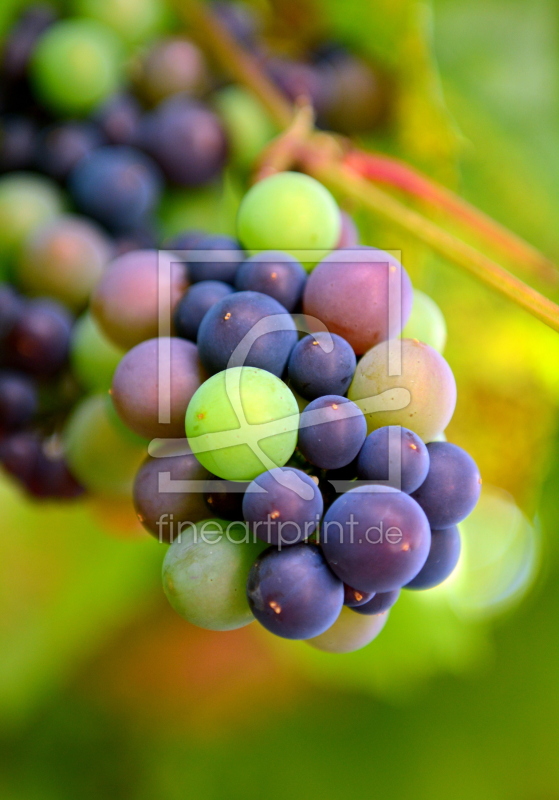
11,306
196,302
224,499
51,477
394,450
160,506
426,322
239,19
93,357
17,143
349,235
426,384
63,145
141,238
26,202
187,240
293,593
157,377
171,66
246,328
205,574
374,540
290,212
19,454
276,274
187,140
331,432
224,268
441,561
39,341
241,422
76,64
321,364
116,185
283,506
452,487
101,456
125,301
119,118
247,125
380,603
355,597
18,401
64,259
358,94
299,81
349,633
361,294
22,38
135,21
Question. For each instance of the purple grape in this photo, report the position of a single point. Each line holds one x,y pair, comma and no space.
276,274
293,593
349,235
11,307
119,119
239,19
441,561
61,147
380,603
39,341
18,401
332,430
246,317
51,478
224,268
452,487
374,540
20,43
17,143
196,302
391,447
298,80
19,454
224,499
321,364
187,240
354,597
283,506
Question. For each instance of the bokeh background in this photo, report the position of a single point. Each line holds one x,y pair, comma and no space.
105,692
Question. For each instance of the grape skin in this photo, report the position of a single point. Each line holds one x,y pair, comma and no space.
376,457
337,435
380,603
223,498
39,341
63,145
276,274
426,322
224,269
93,357
293,593
354,598
315,372
193,307
349,633
443,557
18,401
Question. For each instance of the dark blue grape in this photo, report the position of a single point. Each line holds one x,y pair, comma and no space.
374,540
61,147
187,240
293,593
283,506
380,603
18,401
452,487
39,341
195,304
17,142
19,454
321,364
225,498
144,237
391,447
187,140
51,478
441,561
332,430
116,185
11,307
277,274
246,317
223,268
119,119
354,597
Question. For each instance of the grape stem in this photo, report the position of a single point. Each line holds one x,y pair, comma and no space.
347,171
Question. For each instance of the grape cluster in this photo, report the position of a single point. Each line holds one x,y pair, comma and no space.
296,474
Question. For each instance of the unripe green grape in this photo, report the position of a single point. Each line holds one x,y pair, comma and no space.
350,632
76,65
93,356
290,212
425,375
426,322
100,455
240,449
205,574
26,202
134,21
248,126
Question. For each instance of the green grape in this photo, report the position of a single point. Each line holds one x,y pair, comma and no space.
100,455
425,388
290,212
134,21
26,202
205,574
93,357
77,63
248,126
262,436
426,322
350,632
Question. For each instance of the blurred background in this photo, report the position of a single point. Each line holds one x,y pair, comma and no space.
106,692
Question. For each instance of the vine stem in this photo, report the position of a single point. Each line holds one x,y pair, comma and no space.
322,156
